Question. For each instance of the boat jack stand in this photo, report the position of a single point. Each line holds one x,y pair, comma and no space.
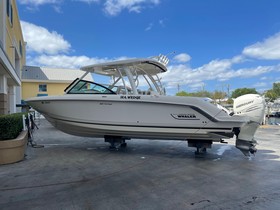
200,151
200,145
115,142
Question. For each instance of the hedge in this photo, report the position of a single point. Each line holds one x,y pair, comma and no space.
10,126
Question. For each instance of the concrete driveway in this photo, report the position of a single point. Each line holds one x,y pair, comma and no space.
82,173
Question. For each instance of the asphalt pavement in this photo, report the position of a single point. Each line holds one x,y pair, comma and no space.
71,172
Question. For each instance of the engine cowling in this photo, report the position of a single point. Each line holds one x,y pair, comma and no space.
251,106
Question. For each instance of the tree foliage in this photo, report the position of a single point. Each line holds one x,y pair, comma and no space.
182,93
273,93
195,94
218,95
242,91
230,101
276,88
202,93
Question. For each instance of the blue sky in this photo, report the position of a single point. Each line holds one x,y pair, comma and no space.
216,43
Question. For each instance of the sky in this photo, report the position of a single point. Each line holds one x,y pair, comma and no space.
212,44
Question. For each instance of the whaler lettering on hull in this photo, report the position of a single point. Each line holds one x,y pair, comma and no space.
184,116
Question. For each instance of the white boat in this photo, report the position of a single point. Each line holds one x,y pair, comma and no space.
120,110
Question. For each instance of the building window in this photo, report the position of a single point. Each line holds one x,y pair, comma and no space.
20,47
8,7
11,17
43,88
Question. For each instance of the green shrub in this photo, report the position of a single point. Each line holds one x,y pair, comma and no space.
10,126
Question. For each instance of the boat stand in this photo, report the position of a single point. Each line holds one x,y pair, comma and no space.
115,142
201,146
31,125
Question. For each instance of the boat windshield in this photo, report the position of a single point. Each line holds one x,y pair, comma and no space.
87,87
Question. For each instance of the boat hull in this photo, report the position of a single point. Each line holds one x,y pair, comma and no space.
153,117
152,132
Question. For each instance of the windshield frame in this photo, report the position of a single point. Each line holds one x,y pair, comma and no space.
108,91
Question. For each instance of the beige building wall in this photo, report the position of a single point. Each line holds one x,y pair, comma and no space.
14,39
12,56
31,89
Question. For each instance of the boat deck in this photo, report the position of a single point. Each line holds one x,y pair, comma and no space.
82,173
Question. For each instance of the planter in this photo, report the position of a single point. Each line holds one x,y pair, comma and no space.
13,150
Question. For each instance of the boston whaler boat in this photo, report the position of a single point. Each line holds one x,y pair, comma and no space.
120,111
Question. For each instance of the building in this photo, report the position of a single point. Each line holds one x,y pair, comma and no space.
12,57
42,81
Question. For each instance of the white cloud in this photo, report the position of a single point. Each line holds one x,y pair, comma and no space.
158,23
197,86
38,2
182,58
161,23
150,26
40,40
245,72
220,70
114,7
268,49
57,9
253,72
176,75
260,84
215,67
65,61
88,1
110,7
33,5
46,48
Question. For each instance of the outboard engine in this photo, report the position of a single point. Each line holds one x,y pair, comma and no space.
252,106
